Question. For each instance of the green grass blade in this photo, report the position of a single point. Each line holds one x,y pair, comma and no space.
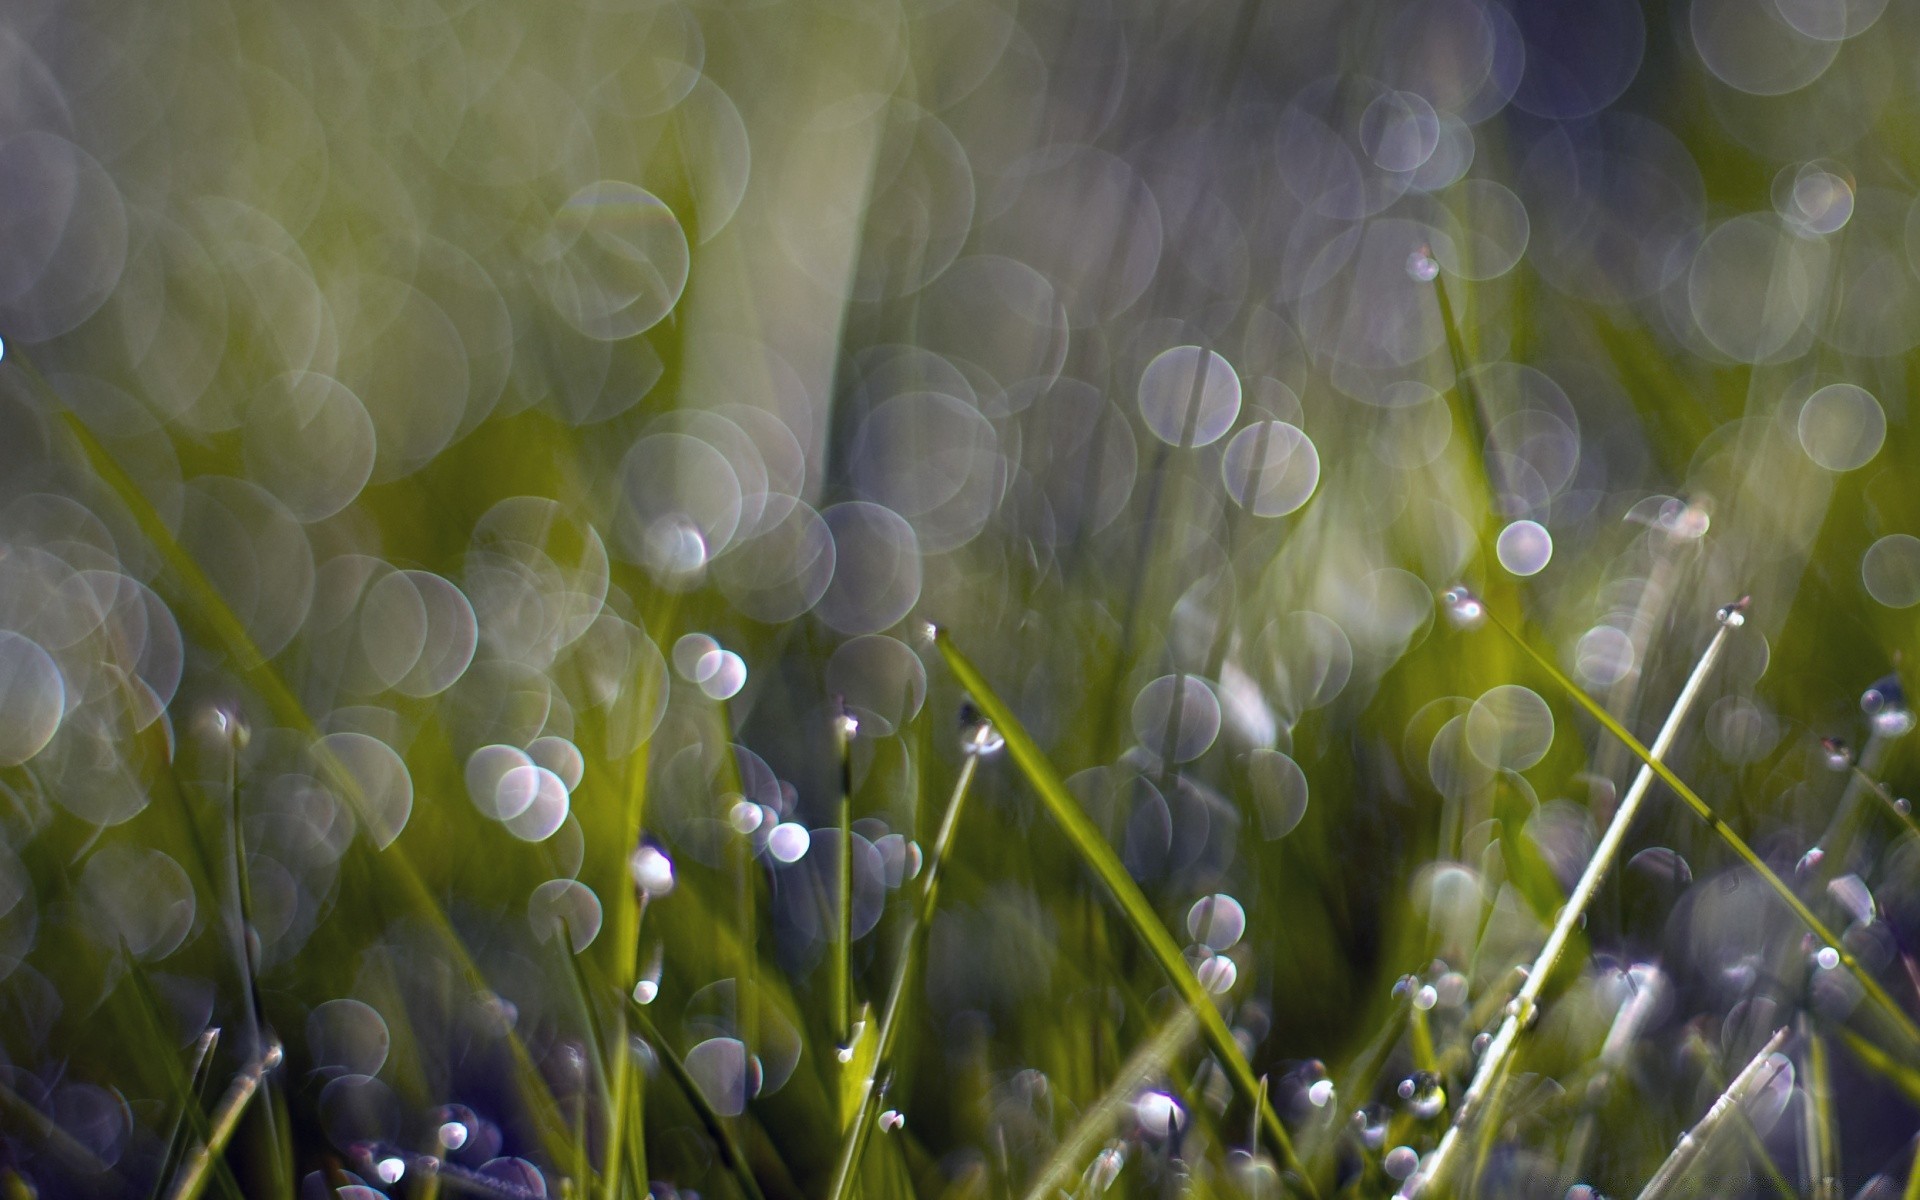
1097,1123
860,1127
1093,850
1881,999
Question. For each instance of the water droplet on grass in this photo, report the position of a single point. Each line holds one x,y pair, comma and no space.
1400,1162
1158,1115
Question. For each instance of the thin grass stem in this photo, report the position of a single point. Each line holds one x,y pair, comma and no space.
1522,1010
844,729
715,1126
854,1139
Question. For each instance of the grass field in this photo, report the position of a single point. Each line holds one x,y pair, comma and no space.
958,598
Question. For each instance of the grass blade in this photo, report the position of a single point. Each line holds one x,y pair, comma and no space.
860,1128
1093,850
716,1128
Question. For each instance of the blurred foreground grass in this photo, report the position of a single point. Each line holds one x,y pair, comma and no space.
479,485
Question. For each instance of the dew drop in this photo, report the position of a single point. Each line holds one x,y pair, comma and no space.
1423,266
652,870
1400,1162
1158,1114
1463,610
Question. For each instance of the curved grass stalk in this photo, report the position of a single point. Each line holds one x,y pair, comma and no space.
860,1128
1878,994
1754,1076
1094,851
1497,1059
716,1128
1097,1122
196,1168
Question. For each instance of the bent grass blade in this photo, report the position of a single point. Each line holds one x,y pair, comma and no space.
1093,850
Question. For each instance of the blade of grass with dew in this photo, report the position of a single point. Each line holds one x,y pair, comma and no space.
1094,851
715,1125
1881,999
1693,1143
859,1126
254,668
1495,1062
628,908
1097,1123
844,732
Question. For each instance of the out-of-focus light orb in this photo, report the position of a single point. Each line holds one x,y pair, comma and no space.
1604,655
1399,131
1217,922
32,698
1813,200
1524,547
1890,570
788,842
1217,974
1842,427
745,816
1270,468
722,674
1177,716
1189,396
